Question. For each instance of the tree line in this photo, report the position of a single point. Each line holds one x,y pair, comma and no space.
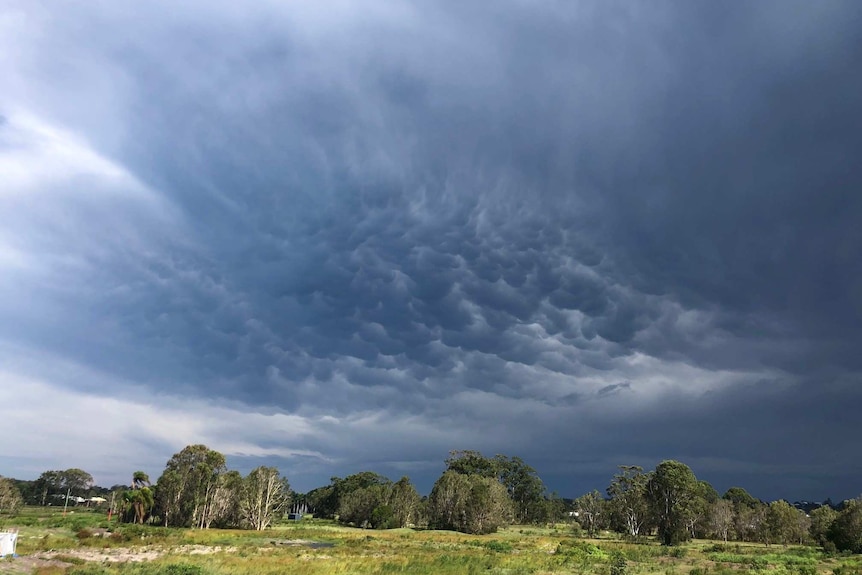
672,503
195,490
474,494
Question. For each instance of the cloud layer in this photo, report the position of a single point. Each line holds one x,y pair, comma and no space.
587,234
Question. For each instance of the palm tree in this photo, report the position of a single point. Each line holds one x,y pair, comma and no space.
140,480
141,496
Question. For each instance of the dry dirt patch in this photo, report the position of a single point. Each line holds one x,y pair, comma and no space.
135,555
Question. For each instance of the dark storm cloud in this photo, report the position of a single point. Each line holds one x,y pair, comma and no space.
563,231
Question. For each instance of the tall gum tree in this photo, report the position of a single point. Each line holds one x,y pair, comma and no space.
629,505
265,493
188,487
671,491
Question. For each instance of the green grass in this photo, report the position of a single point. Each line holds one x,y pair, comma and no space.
341,550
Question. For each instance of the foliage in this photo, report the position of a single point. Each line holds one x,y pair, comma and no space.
264,494
821,521
10,497
187,490
618,563
591,511
343,549
785,523
846,530
363,507
523,485
671,492
721,518
739,497
749,522
629,508
525,488
405,503
74,482
697,512
469,462
326,501
227,500
468,503
476,494
141,497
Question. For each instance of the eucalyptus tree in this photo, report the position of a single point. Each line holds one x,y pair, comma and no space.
405,503
224,509
265,494
698,509
822,519
470,462
721,517
846,530
48,484
471,503
187,490
327,501
628,505
740,498
76,481
783,523
524,487
671,491
10,496
368,507
750,522
592,512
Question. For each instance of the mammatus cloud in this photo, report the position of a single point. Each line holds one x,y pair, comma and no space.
588,235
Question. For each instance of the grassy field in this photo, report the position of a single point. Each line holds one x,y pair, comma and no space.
83,543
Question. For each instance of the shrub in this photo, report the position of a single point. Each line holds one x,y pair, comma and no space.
382,517
181,569
499,546
618,563
88,570
580,549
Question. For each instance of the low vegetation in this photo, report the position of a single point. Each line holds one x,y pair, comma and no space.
483,515
85,543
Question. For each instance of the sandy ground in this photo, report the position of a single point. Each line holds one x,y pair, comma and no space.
29,563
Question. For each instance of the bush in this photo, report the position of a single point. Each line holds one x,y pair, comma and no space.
580,549
88,570
181,569
382,517
499,546
847,570
618,563
846,531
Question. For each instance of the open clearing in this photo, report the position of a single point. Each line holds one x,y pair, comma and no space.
84,543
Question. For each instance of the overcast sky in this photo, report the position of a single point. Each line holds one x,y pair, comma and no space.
356,236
